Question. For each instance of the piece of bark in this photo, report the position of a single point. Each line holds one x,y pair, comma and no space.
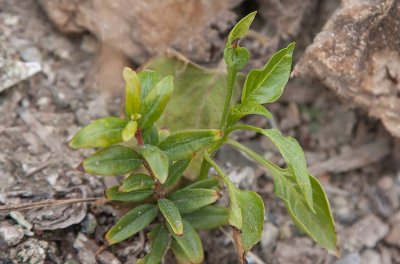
357,55
145,28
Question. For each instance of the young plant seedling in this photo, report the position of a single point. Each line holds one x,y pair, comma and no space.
173,212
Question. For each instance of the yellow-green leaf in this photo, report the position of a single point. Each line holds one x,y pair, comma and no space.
132,92
148,80
129,131
193,199
136,182
112,161
208,217
185,144
171,214
248,108
190,243
240,29
131,223
114,194
100,133
236,58
157,161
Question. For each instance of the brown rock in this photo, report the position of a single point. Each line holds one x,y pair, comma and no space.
393,237
357,55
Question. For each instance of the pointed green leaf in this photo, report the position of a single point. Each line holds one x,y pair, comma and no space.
193,199
100,133
150,136
157,161
208,217
131,223
176,171
172,215
236,58
137,182
155,102
319,225
295,159
248,108
266,85
114,194
159,245
179,254
192,82
129,131
112,161
240,29
252,208
185,144
209,183
190,243
132,92
148,80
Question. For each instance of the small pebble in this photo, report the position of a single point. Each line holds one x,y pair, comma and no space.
11,235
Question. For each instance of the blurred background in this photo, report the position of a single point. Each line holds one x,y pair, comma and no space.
60,67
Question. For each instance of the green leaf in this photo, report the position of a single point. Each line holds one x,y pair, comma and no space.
319,225
248,108
252,208
159,245
209,183
157,161
132,92
150,136
171,214
240,29
190,243
295,159
192,82
176,171
148,80
131,223
183,145
155,102
193,199
100,133
208,217
236,58
137,182
266,85
112,161
114,194
129,131
179,254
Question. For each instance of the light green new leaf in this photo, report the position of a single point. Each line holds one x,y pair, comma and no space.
189,200
295,159
236,58
100,133
132,92
192,82
112,161
248,108
137,182
129,130
114,194
159,245
208,217
252,208
190,243
209,183
148,80
319,225
266,85
240,29
183,145
131,223
176,171
157,161
155,102
171,214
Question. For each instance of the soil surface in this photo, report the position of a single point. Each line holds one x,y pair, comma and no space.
354,157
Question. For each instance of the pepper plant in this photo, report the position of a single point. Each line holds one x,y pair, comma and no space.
153,163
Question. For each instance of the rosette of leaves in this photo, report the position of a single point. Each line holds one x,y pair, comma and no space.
153,163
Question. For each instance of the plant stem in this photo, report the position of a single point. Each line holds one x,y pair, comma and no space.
225,178
139,137
231,77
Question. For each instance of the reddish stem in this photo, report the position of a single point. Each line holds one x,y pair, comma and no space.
139,137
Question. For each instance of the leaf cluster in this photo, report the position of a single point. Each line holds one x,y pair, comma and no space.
153,163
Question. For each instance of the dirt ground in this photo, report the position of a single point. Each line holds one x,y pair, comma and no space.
353,155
